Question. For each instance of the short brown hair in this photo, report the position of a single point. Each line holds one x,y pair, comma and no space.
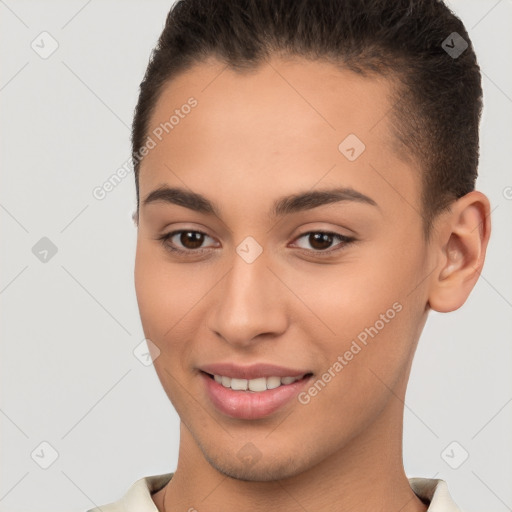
438,102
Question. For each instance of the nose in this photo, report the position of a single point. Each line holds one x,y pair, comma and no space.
249,302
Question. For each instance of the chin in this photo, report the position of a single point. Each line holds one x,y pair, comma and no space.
261,471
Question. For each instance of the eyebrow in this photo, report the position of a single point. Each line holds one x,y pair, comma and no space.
282,206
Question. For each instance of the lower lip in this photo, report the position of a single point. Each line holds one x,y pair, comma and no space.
249,405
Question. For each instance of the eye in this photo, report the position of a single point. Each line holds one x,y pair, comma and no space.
321,241
189,239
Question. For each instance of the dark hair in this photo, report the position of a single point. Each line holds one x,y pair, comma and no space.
438,96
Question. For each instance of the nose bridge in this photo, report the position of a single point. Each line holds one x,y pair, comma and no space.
248,302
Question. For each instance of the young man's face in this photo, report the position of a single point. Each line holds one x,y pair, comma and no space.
349,313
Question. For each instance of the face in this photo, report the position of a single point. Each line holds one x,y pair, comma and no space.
330,286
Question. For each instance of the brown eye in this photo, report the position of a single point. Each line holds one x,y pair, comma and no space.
184,241
322,242
191,239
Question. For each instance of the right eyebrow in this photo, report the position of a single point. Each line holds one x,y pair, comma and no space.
182,197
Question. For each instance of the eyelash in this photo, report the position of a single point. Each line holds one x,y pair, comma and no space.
345,241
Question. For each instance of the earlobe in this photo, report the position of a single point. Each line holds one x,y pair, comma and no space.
462,240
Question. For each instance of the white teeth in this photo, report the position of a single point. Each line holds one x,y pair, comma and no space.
256,385
273,382
239,384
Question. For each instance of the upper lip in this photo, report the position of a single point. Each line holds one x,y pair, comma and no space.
252,371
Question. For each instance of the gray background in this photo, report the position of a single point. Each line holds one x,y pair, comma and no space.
70,324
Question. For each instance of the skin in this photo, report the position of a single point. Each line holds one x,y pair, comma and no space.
253,138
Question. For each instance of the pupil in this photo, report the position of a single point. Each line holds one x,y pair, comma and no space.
191,237
323,239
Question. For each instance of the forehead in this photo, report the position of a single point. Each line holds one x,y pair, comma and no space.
297,94
287,118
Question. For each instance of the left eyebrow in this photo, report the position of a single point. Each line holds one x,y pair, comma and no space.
312,199
286,205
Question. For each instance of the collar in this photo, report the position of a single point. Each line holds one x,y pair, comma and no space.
138,497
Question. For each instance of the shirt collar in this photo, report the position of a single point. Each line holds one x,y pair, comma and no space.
435,492
138,497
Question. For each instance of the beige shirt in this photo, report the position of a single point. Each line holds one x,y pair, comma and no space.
138,497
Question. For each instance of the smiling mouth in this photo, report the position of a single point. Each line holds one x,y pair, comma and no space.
257,385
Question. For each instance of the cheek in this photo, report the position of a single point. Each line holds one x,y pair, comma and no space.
366,312
375,329
165,296
351,296
158,296
170,298
165,292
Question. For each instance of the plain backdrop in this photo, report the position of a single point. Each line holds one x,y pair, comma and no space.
72,388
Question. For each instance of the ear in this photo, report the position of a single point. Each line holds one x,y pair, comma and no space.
135,218
461,237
